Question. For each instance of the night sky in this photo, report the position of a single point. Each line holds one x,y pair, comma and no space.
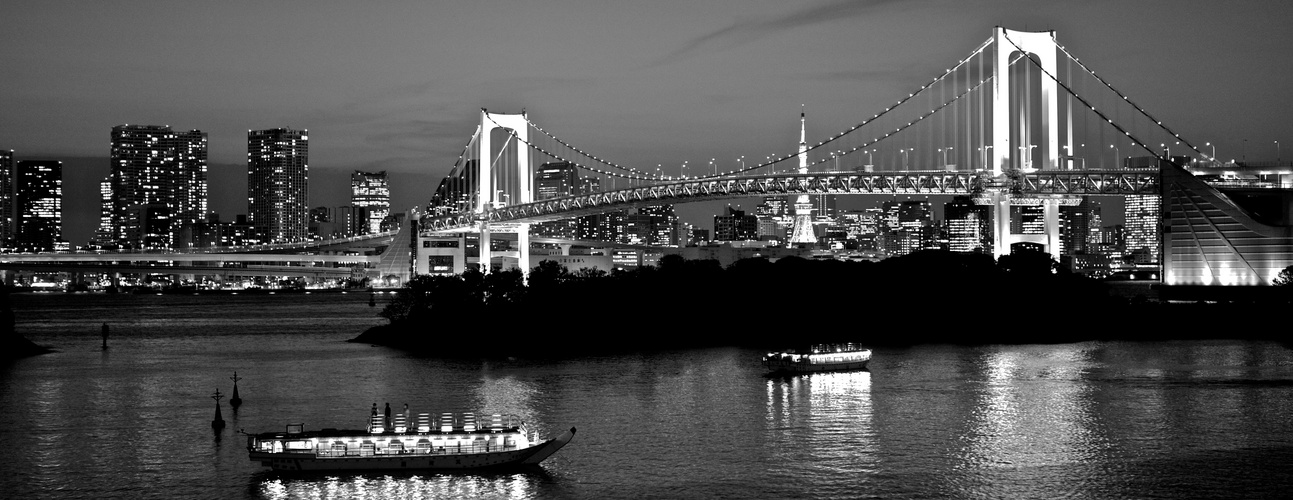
398,87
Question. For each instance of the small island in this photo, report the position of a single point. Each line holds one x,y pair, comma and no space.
924,297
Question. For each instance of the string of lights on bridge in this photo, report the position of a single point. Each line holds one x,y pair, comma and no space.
648,177
631,173
1099,113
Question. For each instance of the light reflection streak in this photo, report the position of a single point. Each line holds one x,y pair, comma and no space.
1035,410
818,419
506,486
507,396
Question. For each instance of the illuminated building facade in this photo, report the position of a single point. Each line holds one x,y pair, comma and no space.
969,228
1218,239
556,180
189,200
157,171
371,191
6,197
908,227
735,225
278,176
1140,223
38,205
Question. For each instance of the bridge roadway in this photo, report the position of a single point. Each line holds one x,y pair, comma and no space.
926,182
243,264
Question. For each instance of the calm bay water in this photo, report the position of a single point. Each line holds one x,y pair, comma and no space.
1200,419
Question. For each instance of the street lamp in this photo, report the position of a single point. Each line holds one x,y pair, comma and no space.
711,163
1214,151
906,153
1117,156
1277,153
1243,152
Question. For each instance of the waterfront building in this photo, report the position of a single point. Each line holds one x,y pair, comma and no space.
1027,219
6,197
38,205
278,184
372,192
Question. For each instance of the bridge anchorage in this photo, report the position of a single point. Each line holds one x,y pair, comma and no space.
1005,126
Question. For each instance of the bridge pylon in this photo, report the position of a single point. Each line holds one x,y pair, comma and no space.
487,194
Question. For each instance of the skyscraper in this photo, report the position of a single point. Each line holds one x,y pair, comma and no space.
278,184
1140,226
190,199
968,226
556,180
38,205
371,191
158,182
6,196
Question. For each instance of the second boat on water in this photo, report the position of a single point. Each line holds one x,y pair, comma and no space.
818,358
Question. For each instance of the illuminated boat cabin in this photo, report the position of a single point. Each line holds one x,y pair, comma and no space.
819,358
453,434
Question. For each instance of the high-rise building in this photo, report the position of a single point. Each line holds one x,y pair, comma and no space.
1140,226
736,226
6,196
38,205
1075,227
1027,219
371,191
190,198
158,176
968,226
555,180
278,184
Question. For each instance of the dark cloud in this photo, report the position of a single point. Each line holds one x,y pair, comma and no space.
748,31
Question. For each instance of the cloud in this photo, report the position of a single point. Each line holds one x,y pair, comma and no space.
748,31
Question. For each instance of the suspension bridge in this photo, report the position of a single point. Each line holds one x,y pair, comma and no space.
1020,121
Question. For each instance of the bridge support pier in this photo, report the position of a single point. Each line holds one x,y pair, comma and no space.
485,257
523,250
1001,223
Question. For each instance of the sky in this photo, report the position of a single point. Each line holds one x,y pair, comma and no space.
397,86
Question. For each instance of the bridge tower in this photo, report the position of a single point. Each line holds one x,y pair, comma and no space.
802,231
1005,156
518,124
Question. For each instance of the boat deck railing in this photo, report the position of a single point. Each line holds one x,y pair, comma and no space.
420,451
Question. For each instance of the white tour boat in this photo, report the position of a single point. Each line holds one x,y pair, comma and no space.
818,358
409,443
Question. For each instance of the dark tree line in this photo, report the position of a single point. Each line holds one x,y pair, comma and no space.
929,296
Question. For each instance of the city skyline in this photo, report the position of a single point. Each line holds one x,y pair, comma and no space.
403,95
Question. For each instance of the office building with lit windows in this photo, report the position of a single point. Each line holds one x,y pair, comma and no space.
278,178
969,228
38,205
1140,223
371,191
158,183
6,196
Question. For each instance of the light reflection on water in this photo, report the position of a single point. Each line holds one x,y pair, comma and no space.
517,486
1089,420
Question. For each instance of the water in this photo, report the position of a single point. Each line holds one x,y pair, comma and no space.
1201,419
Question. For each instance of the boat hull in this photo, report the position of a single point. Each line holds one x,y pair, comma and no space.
792,367
414,461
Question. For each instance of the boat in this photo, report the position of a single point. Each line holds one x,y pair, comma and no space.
818,358
459,441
